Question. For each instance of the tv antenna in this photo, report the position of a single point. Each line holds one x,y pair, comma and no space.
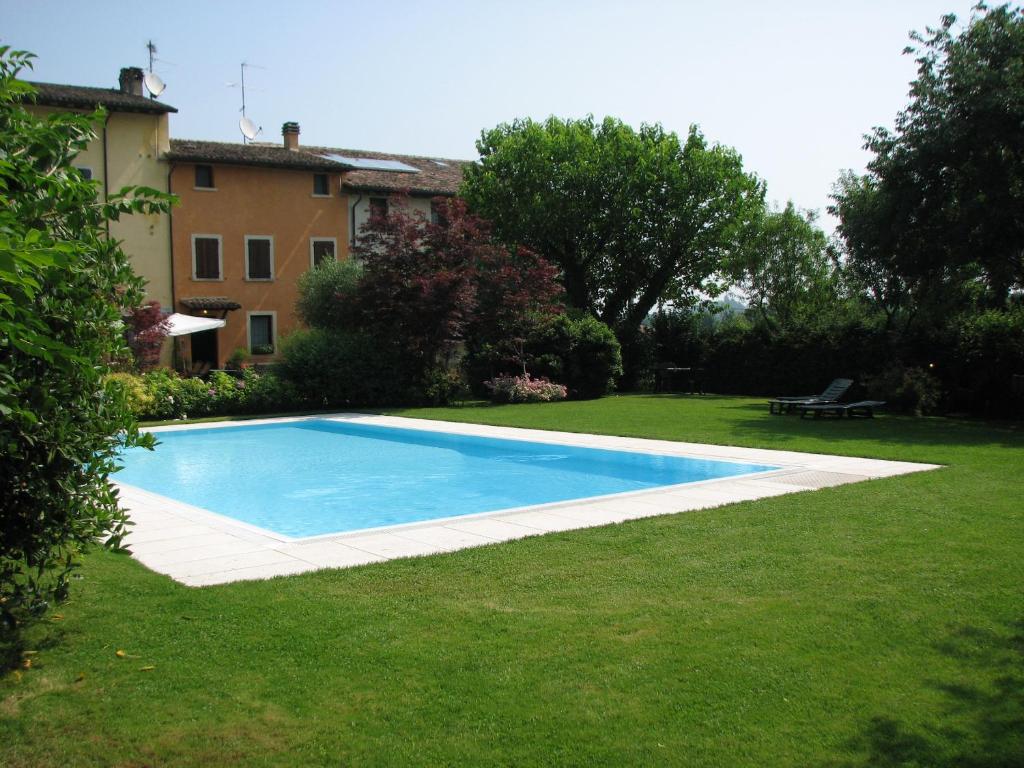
154,84
245,125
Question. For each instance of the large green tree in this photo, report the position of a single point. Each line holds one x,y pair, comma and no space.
942,203
785,267
64,287
630,217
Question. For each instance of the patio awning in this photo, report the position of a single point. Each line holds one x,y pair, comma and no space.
182,325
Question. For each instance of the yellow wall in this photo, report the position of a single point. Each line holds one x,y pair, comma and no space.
134,145
252,201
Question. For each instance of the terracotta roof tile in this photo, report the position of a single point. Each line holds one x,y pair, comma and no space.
83,97
437,176
265,155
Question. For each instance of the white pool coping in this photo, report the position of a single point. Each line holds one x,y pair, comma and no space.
197,547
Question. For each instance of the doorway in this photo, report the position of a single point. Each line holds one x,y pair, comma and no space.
204,348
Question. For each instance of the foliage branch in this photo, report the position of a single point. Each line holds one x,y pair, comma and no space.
64,286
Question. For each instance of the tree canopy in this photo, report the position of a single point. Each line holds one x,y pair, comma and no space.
630,217
427,287
942,204
785,267
418,297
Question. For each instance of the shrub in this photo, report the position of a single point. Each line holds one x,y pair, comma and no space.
164,403
267,393
192,397
237,360
163,395
64,287
137,395
343,368
327,294
524,389
444,386
581,351
741,355
910,389
989,353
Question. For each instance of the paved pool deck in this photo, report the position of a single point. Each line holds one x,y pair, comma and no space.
200,548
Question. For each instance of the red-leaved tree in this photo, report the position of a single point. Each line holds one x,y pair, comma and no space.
147,329
517,291
429,286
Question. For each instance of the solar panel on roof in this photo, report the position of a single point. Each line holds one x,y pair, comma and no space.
373,164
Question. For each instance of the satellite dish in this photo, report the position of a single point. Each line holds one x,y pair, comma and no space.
248,128
153,84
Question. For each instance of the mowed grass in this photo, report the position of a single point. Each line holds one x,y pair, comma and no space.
876,624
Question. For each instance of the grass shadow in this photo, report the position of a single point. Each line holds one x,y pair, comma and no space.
983,725
908,430
14,642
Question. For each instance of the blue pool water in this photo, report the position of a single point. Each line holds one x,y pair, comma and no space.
314,477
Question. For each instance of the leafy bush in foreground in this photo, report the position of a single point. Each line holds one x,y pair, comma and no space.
64,286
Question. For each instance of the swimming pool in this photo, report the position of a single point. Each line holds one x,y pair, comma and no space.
315,477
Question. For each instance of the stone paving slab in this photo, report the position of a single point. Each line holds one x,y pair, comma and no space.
201,548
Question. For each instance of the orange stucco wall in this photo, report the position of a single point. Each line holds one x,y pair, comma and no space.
252,201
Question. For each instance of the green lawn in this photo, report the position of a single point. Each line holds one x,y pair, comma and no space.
876,624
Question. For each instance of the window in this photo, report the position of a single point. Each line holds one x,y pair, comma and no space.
206,261
378,206
259,257
321,185
322,249
86,172
204,176
261,333
435,213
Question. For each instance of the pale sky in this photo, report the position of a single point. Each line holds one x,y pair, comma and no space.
793,86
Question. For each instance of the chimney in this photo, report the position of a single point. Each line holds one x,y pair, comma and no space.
290,131
131,81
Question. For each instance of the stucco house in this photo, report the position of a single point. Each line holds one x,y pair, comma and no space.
251,218
368,188
254,217
128,150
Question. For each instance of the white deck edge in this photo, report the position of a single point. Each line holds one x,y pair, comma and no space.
198,547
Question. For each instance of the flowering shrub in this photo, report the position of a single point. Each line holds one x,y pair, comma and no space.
524,389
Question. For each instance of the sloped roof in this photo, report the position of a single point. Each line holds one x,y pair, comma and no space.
437,175
84,97
264,155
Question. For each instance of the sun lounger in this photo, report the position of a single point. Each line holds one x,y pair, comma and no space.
863,408
832,393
